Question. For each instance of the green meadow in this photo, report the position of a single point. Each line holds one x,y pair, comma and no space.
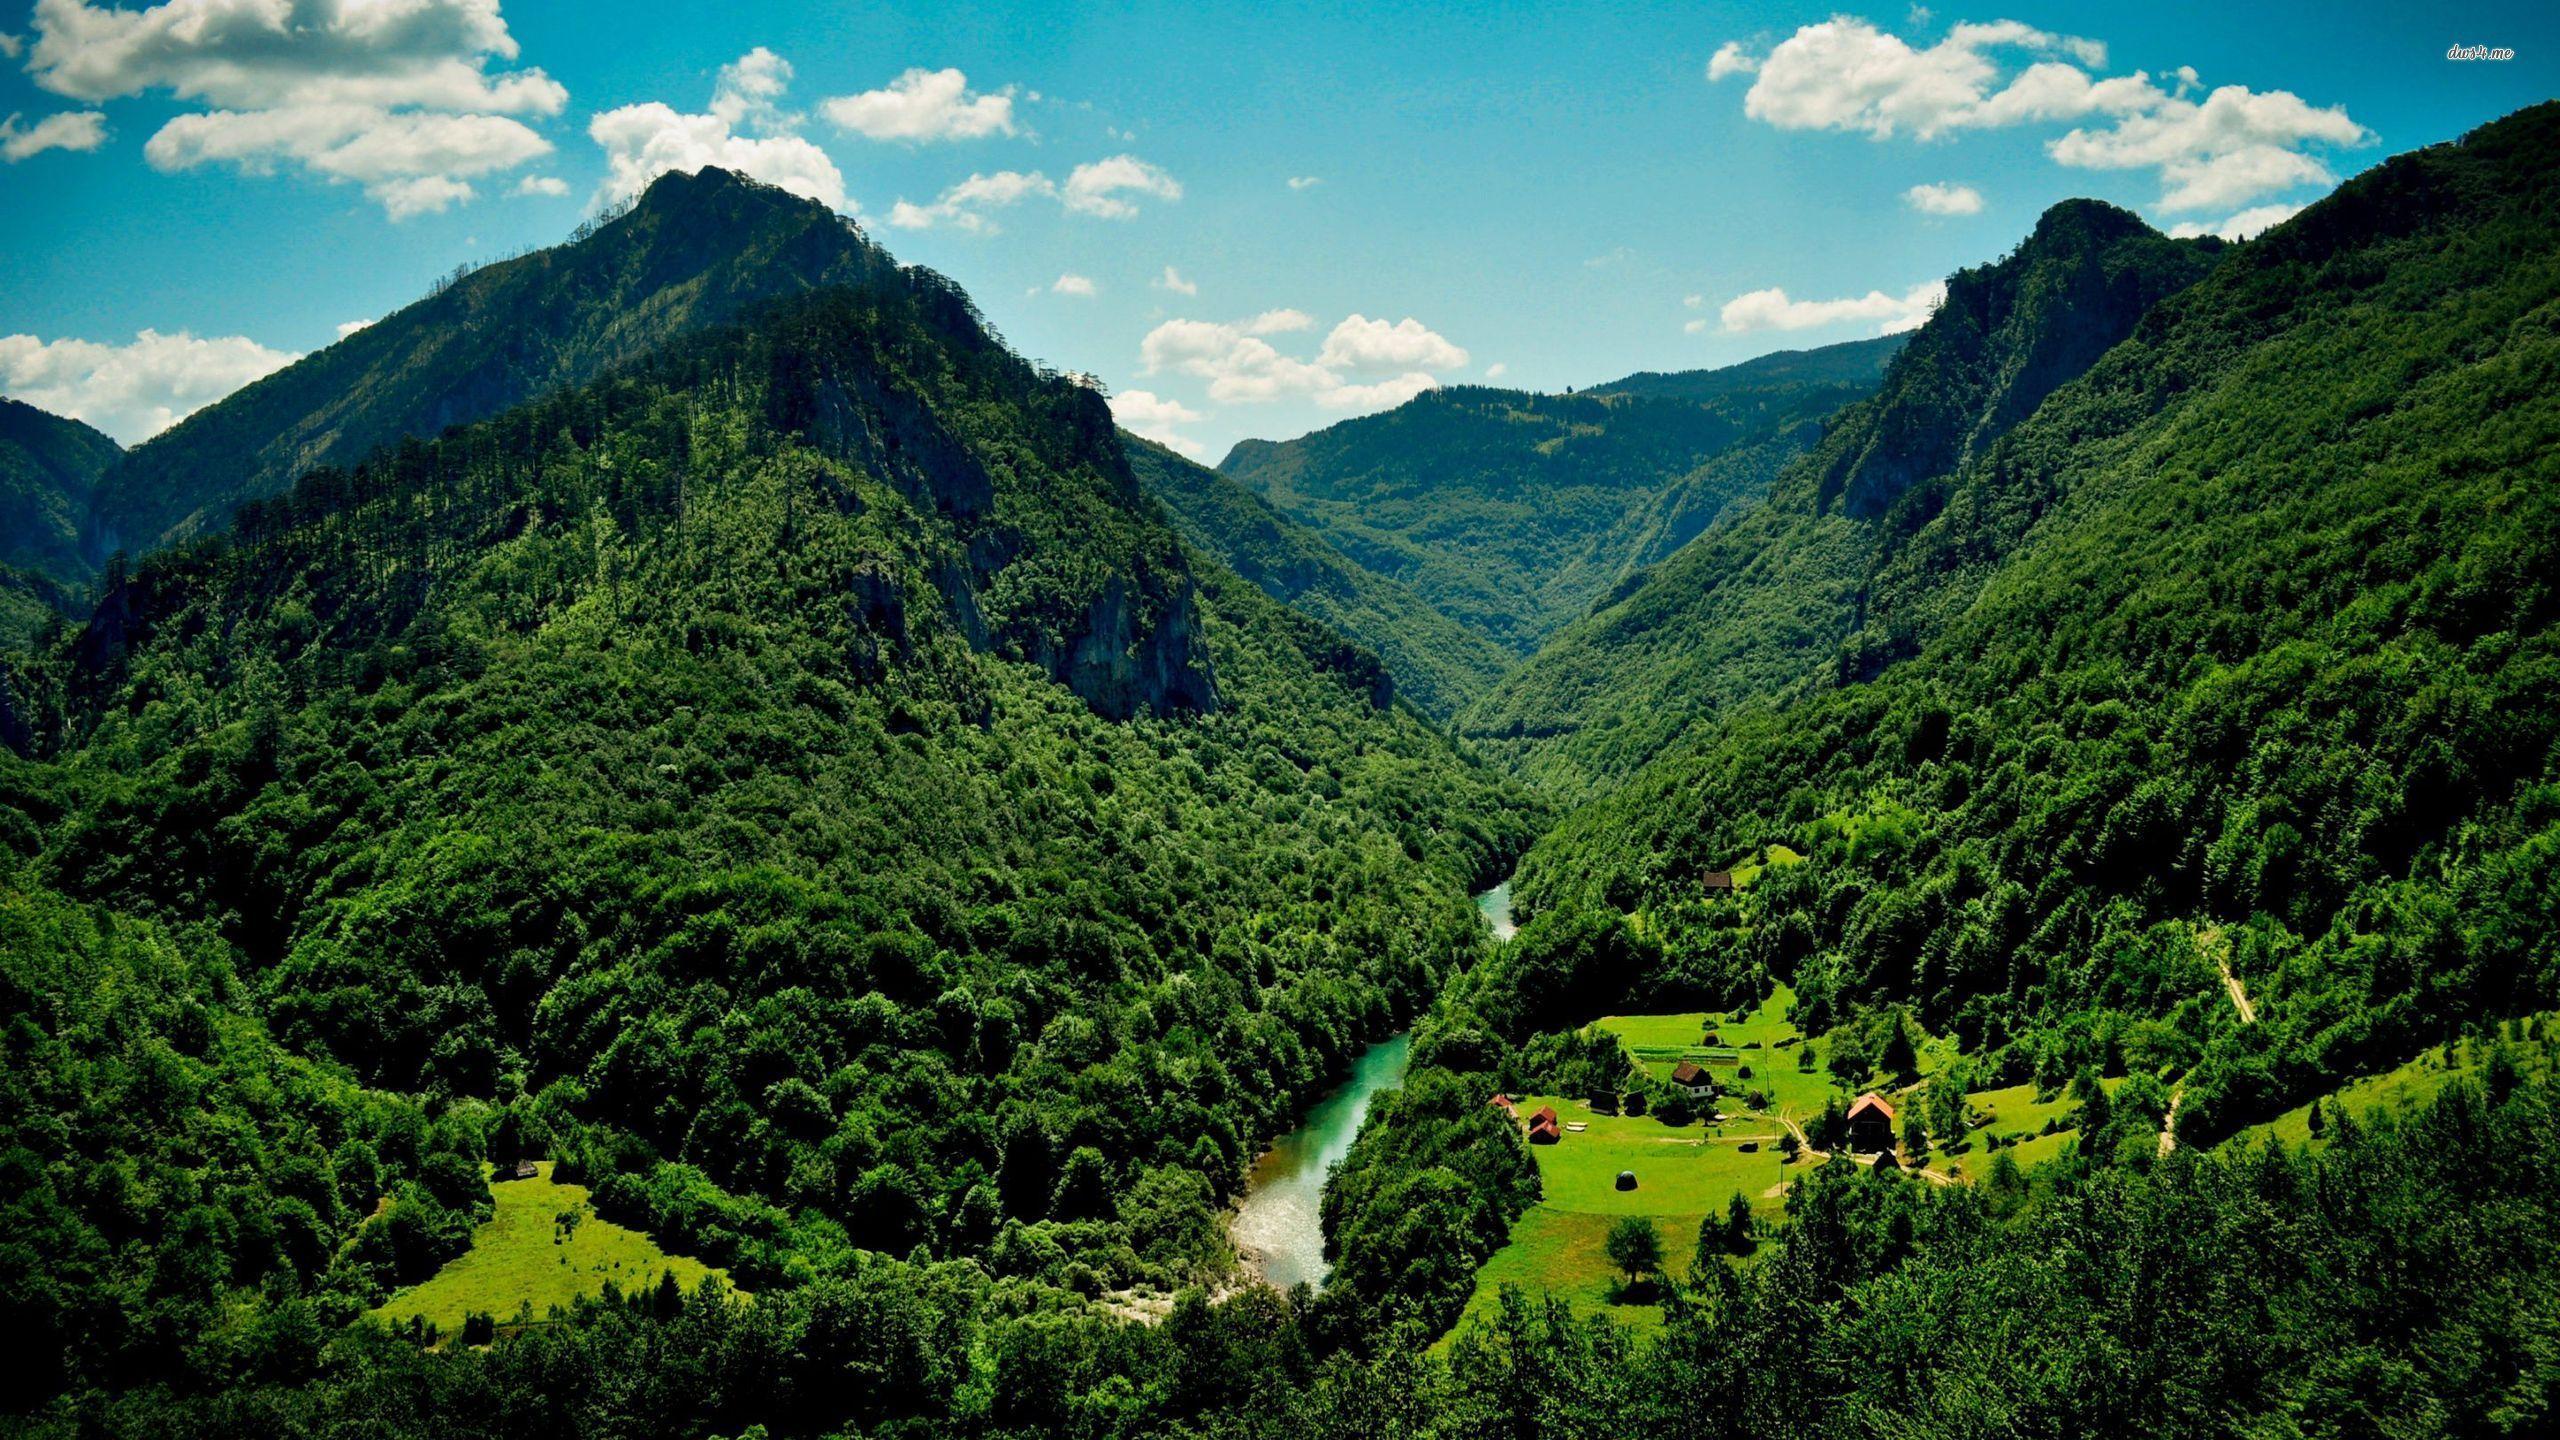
532,1254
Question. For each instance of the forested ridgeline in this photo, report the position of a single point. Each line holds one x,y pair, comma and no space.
799,784
1512,513
2237,657
1760,603
694,250
48,468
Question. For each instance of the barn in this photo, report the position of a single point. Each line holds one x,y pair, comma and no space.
1870,1125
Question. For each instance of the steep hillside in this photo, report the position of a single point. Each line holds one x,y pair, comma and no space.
695,250
798,783
2240,656
1437,663
48,468
1762,601
1510,512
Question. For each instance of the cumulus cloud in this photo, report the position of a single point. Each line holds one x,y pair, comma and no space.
642,142
749,92
134,391
1944,199
10,45
349,327
1772,309
965,205
411,161
2246,225
1096,188
2231,147
551,185
68,130
1092,189
1143,412
923,105
1278,322
1172,280
400,98
1244,368
1731,59
1360,343
1496,370
1072,284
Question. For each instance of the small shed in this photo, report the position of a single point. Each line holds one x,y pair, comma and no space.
1504,1104
1871,1125
1543,1129
1716,880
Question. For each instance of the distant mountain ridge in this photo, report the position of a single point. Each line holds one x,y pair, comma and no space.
1511,512
49,467
695,250
1435,662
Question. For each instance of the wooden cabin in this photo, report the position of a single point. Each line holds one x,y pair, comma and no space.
1689,1075
1870,1125
1543,1129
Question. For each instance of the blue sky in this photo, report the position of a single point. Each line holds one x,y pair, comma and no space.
1558,191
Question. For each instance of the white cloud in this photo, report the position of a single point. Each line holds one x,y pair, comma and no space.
642,142
267,54
396,95
923,105
1730,59
410,161
1144,412
1496,370
1279,322
67,130
1380,395
1090,190
1937,199
1072,284
1095,188
1771,309
2234,146
1243,368
1360,343
1172,280
964,205
2248,224
10,45
1305,182
749,92
135,391
551,185
349,327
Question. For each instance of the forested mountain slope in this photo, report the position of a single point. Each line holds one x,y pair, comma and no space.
2240,652
1437,663
1511,512
48,467
798,782
1762,601
693,251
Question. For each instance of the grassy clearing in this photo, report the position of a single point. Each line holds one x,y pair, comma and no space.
1561,1252
522,1257
2402,1088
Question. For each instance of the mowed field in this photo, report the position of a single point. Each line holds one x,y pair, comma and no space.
1683,1173
526,1255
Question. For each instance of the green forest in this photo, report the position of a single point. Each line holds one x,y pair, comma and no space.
675,840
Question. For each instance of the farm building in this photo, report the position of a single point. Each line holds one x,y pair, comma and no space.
1504,1104
1689,1075
1870,1125
1716,880
1542,1126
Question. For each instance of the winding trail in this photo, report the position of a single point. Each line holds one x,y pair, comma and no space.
2212,938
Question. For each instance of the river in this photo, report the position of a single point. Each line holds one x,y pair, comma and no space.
1278,1229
